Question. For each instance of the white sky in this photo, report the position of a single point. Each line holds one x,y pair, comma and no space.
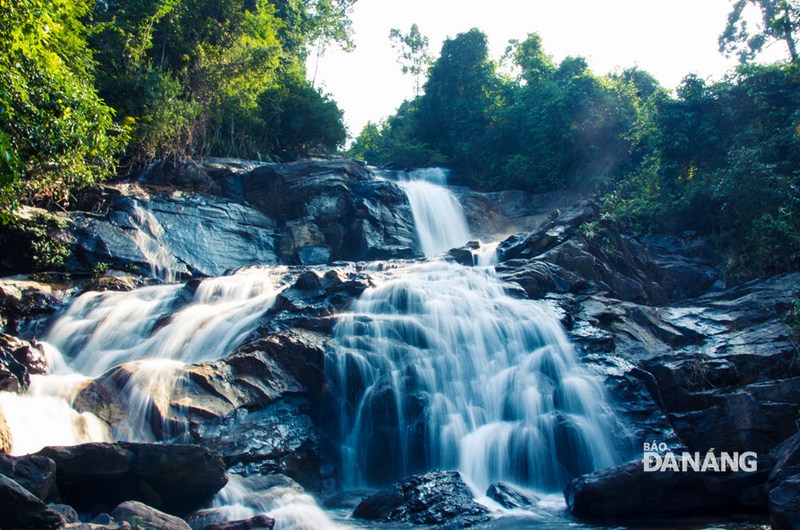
668,38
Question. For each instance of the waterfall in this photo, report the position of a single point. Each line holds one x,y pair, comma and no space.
438,216
149,238
158,328
438,367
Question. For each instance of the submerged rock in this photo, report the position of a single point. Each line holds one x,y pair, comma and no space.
175,478
509,497
432,498
259,522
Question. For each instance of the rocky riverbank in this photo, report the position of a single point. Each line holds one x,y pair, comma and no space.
688,359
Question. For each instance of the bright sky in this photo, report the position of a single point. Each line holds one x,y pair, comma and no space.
668,38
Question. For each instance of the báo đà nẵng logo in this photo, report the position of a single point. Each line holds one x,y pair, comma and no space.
658,457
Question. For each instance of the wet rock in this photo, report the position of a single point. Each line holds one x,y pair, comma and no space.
628,493
509,497
330,210
37,474
279,438
19,359
433,498
144,517
19,508
187,234
169,477
24,301
259,522
783,485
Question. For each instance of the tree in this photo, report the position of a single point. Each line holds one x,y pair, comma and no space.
56,134
413,52
780,20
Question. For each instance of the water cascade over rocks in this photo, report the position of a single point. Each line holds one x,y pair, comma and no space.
438,367
435,366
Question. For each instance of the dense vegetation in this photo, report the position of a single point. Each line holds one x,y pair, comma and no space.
87,88
720,159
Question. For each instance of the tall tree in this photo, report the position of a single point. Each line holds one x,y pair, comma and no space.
413,53
780,20
55,132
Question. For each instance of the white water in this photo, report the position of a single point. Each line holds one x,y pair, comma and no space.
439,368
438,217
158,328
149,238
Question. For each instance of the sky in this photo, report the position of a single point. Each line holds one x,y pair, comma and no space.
667,38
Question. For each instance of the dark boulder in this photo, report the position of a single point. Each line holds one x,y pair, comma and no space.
628,493
20,509
174,478
433,498
144,517
23,302
329,210
37,474
784,485
19,359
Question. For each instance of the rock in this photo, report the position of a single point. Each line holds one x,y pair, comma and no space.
783,485
509,497
259,522
145,518
23,302
19,359
6,441
37,474
19,508
628,493
183,234
169,477
436,497
330,210
67,512
248,379
784,504
279,438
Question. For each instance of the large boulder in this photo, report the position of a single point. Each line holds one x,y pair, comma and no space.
329,210
175,478
6,441
35,473
436,497
629,493
20,509
174,235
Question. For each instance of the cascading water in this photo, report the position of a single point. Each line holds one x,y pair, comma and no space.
438,367
159,328
438,217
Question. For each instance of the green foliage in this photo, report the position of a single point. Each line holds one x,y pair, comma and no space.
56,134
36,237
780,20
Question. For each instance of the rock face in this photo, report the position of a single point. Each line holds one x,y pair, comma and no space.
19,359
175,478
37,474
784,486
433,498
628,493
242,214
